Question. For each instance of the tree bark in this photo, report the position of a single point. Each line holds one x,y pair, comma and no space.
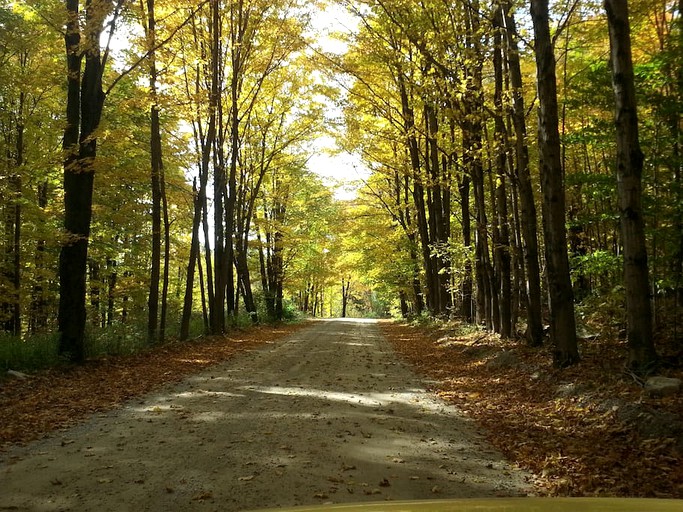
523,181
642,356
346,284
156,173
85,101
466,309
39,313
502,247
562,321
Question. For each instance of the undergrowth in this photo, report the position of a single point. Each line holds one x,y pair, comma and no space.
40,351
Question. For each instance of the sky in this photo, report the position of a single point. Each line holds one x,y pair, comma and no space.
339,169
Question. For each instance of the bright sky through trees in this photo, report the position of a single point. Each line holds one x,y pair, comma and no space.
340,169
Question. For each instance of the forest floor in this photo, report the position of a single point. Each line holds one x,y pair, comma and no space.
325,414
580,431
588,430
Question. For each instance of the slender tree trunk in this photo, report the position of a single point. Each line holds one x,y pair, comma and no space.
192,263
418,194
12,300
95,289
278,267
111,290
466,288
39,297
346,284
202,292
219,184
156,173
502,248
529,226
642,357
562,321
167,261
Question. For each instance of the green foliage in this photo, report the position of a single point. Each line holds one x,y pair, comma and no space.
32,353
121,338
604,312
600,267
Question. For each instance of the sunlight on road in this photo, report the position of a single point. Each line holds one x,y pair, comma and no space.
408,397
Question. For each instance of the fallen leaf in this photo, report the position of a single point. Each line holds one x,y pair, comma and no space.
205,495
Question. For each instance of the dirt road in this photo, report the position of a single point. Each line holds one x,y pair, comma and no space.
330,414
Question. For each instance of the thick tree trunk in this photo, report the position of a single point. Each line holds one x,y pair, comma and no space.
562,321
85,101
642,357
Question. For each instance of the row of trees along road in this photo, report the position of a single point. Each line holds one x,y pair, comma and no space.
441,109
155,166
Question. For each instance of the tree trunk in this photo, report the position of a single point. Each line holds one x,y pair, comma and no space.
167,260
642,357
562,322
418,193
191,265
95,289
346,284
111,290
12,300
502,248
39,297
85,101
466,310
526,195
156,173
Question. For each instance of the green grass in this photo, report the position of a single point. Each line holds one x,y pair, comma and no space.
35,352
42,351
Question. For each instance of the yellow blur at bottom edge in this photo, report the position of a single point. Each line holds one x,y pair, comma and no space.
504,505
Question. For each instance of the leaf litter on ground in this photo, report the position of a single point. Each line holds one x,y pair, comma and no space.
582,431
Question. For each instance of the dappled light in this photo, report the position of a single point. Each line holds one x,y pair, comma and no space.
212,210
290,423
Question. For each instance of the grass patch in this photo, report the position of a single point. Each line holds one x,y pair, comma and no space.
35,352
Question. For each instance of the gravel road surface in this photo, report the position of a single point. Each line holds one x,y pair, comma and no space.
327,415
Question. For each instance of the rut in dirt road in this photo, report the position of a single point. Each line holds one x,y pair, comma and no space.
329,414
